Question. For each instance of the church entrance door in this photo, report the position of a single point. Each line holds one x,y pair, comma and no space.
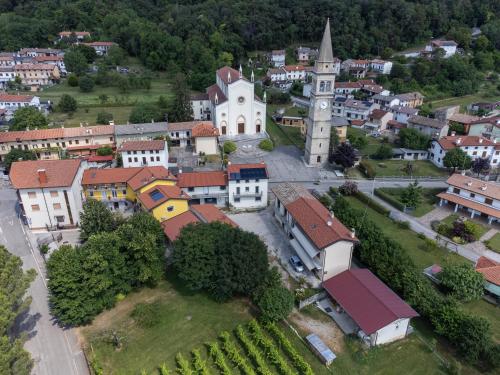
258,128
223,129
241,127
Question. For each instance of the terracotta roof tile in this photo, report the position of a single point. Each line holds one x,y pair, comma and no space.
186,125
347,85
378,113
149,174
159,194
451,142
490,269
212,91
142,145
209,213
475,185
196,179
225,71
96,176
16,98
205,129
487,210
463,118
172,227
59,173
34,67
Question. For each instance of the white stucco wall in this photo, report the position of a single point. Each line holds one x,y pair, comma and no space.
145,158
207,145
391,332
336,258
248,202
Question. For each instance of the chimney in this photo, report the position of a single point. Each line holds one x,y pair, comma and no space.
453,134
353,232
480,140
484,187
180,170
42,176
329,223
459,140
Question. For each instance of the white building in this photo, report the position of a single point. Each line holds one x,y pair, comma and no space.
385,101
346,89
101,48
247,185
321,241
78,35
11,103
234,107
474,146
402,114
381,66
144,153
205,187
477,197
206,139
201,107
278,57
353,109
50,191
449,47
7,74
429,126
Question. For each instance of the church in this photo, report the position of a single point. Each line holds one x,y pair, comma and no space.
231,104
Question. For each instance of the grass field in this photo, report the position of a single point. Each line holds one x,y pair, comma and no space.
464,101
284,135
373,143
429,199
494,243
421,168
89,115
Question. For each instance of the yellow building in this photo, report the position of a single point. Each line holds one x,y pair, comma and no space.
164,201
119,187
37,75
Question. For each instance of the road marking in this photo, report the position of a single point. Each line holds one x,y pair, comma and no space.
72,354
33,254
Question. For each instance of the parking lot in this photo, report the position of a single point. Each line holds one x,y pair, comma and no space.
266,227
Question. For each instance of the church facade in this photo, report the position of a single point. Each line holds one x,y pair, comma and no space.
231,104
319,119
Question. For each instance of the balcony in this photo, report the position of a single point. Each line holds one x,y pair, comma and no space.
247,194
222,194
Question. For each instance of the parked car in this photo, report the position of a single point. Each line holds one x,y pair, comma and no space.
296,264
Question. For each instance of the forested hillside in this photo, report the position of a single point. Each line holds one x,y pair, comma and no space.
199,35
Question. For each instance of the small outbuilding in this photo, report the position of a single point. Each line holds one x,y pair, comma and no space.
320,349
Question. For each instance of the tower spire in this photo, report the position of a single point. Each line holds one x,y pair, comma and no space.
241,71
325,50
252,77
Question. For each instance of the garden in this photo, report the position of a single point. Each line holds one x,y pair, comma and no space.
493,243
398,198
460,229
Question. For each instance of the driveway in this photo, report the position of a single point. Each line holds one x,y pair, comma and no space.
266,227
55,351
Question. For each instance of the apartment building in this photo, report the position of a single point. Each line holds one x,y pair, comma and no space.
247,185
37,75
205,187
144,153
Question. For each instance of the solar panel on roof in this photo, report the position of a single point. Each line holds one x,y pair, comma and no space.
252,173
156,195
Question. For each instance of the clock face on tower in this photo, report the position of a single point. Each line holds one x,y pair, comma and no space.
323,105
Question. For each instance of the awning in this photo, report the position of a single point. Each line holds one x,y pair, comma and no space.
308,262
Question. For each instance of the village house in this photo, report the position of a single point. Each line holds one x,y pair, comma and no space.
477,197
463,121
444,113
410,99
371,89
474,107
247,185
206,213
79,36
49,192
408,154
235,109
7,59
56,60
379,314
144,153
278,58
357,72
164,201
350,63
448,46
490,269
140,132
206,139
321,241
11,103
40,52
429,126
36,75
346,89
353,109
201,107
474,146
339,126
488,127
276,75
402,114
205,187
377,120
101,48
381,66
288,73
385,101
306,55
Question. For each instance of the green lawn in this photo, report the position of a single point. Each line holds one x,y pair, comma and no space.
88,115
482,229
464,101
488,311
373,143
429,199
494,243
284,135
421,168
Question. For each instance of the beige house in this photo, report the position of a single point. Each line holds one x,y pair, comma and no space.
320,240
37,75
206,138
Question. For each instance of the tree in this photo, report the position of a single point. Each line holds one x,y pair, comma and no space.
14,283
413,139
462,281
75,62
274,301
95,218
457,158
28,117
86,84
229,147
143,248
180,109
105,151
480,165
384,151
104,118
412,195
73,80
143,113
67,104
116,56
88,52
343,155
17,154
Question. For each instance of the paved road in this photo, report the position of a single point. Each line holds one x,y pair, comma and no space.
55,351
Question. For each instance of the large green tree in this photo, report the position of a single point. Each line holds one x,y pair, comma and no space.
14,282
75,62
457,158
17,154
95,218
413,139
145,112
180,108
412,195
28,117
462,281
273,299
67,104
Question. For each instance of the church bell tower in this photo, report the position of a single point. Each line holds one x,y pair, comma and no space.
319,119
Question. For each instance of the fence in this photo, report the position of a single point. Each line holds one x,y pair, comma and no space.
310,300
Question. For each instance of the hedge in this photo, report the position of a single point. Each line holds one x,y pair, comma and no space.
389,199
367,169
371,203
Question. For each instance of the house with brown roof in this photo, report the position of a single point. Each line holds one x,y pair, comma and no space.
206,139
490,269
205,187
449,47
36,75
474,196
380,316
488,127
206,213
378,119
49,192
79,36
320,240
152,153
474,146
164,201
428,126
346,89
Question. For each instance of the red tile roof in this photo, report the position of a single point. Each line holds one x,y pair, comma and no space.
142,145
34,67
347,85
59,173
196,179
28,135
172,227
15,98
97,44
205,129
100,159
77,33
463,118
214,90
81,131
367,300
209,213
166,193
225,71
451,142
396,124
149,174
294,68
48,58
378,114
487,210
489,189
490,269
97,176
178,126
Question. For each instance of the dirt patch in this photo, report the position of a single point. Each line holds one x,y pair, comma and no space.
328,331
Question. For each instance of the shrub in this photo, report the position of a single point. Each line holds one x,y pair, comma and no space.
73,80
348,188
67,104
384,151
462,281
104,118
266,145
371,203
383,194
275,303
403,224
104,151
146,314
366,168
229,147
44,249
86,84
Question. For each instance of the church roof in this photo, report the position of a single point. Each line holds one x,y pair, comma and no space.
216,90
325,50
227,71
